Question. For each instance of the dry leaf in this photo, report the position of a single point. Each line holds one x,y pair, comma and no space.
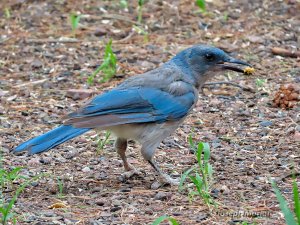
58,205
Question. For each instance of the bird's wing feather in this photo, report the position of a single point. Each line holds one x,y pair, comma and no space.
134,105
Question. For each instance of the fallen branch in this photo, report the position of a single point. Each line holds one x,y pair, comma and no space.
245,88
285,52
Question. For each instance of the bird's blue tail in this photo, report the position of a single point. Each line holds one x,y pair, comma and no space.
50,139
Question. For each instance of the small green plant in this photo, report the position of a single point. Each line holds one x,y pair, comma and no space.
108,66
102,142
290,218
163,218
60,188
246,223
141,31
7,12
260,82
74,19
7,178
6,207
140,10
201,4
124,4
225,16
200,174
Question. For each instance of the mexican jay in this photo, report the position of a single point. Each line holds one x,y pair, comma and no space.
146,108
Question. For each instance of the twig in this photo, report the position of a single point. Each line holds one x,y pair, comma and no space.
51,40
285,52
31,83
245,88
4,40
284,177
126,38
112,16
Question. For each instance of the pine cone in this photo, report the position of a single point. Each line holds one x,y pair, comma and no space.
287,96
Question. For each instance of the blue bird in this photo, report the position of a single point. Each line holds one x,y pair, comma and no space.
147,108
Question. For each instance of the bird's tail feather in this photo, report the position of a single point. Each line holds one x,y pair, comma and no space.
50,139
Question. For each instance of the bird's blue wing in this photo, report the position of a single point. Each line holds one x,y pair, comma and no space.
134,105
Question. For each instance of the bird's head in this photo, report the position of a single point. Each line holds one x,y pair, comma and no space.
202,62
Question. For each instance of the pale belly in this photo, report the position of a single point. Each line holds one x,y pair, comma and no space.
145,132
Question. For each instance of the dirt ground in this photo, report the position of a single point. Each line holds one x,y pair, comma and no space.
251,140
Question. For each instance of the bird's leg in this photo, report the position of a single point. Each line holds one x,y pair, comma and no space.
121,146
163,177
148,153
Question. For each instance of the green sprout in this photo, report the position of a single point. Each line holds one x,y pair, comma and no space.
108,66
163,218
225,16
9,177
201,174
60,187
260,82
124,4
140,10
141,31
201,4
6,207
7,12
290,218
74,19
102,142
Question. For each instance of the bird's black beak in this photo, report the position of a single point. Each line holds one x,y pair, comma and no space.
231,64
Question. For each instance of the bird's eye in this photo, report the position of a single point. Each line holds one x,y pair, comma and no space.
210,57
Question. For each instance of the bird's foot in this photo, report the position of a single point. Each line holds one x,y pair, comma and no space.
132,172
165,179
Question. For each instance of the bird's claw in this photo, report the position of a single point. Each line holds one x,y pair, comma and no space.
165,179
133,172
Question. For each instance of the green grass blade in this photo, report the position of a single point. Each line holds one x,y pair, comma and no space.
288,215
206,150
191,142
199,154
201,4
198,183
296,199
163,218
74,21
183,178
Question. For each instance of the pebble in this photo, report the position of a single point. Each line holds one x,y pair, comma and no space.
34,162
31,218
86,169
36,64
215,193
100,202
148,211
116,208
96,189
240,186
45,160
49,214
266,123
161,196
116,203
34,183
100,32
224,189
155,185
201,216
